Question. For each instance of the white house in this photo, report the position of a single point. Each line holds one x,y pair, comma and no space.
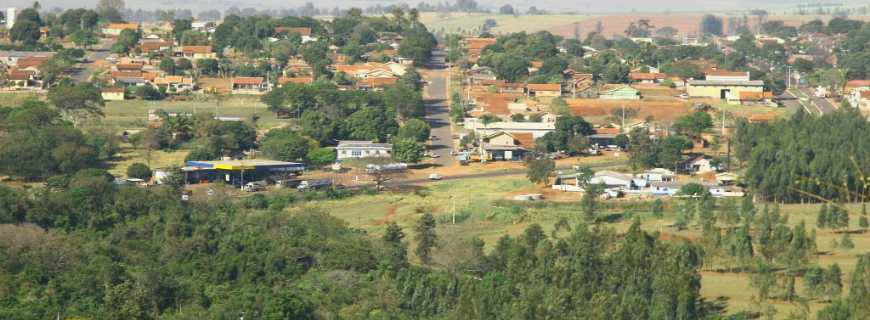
350,149
664,188
537,129
612,179
700,164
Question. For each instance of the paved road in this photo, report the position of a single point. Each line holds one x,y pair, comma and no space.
814,105
437,112
502,173
82,71
823,105
793,103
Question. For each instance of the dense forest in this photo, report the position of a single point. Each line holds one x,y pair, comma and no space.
807,158
87,247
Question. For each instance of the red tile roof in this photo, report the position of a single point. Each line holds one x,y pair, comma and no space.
128,66
640,76
126,74
378,82
478,43
122,26
607,130
248,80
525,139
302,31
718,73
497,103
544,87
19,75
196,49
853,83
148,46
300,80
25,62
755,96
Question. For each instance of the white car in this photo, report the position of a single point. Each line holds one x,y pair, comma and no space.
435,176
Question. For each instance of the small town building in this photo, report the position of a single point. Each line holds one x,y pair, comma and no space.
22,79
175,83
198,52
724,85
612,179
699,164
602,140
152,46
658,175
618,92
665,188
478,74
10,58
376,84
352,149
755,98
551,90
726,178
238,172
502,146
128,67
535,129
860,99
501,86
114,29
112,94
372,70
646,77
249,85
303,32
474,47
282,80
495,103
852,85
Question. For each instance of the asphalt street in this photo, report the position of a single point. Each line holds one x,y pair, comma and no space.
437,112
82,71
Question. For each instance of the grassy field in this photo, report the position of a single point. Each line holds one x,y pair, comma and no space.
10,99
133,114
483,210
157,159
471,22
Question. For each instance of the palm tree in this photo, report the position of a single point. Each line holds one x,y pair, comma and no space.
180,126
486,120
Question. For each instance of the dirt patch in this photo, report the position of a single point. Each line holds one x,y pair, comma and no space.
391,212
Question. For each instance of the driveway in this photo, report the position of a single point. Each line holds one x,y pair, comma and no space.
435,94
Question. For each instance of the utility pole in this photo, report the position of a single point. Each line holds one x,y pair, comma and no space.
622,128
453,199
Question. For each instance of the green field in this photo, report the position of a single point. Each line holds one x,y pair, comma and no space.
471,22
133,114
483,210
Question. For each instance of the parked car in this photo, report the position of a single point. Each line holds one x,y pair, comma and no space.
435,176
313,184
254,186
